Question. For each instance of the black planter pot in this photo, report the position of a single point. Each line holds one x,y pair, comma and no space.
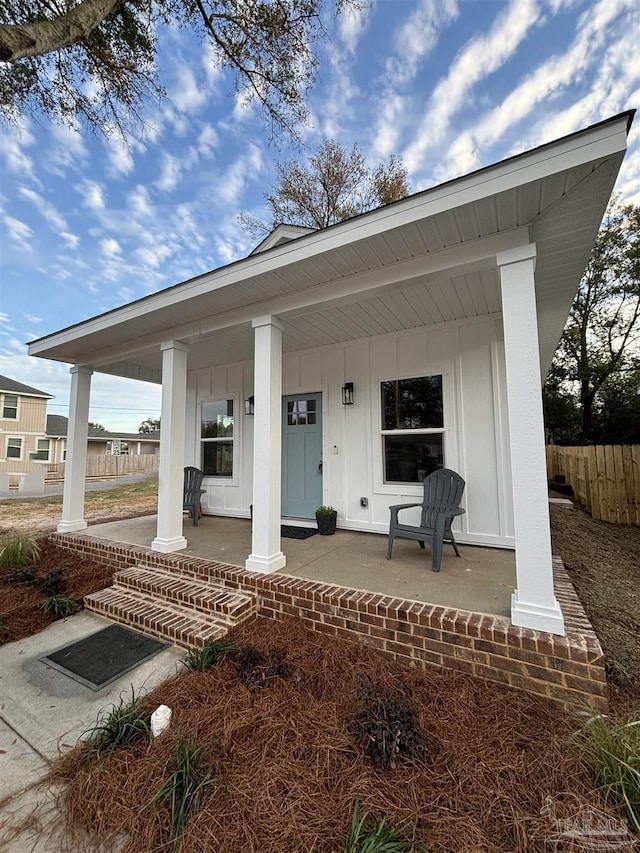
326,522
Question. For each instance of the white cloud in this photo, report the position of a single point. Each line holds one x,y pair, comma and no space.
188,96
13,142
72,240
119,154
110,248
207,140
93,195
480,57
19,232
153,256
554,75
352,23
233,182
170,173
67,149
140,202
32,319
55,219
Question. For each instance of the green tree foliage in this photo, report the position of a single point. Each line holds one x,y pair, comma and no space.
332,186
94,425
600,345
96,58
149,425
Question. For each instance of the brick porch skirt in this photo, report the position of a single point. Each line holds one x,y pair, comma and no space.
567,670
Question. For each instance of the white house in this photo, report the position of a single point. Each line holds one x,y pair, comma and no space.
439,314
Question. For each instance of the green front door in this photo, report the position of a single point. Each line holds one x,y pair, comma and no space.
301,455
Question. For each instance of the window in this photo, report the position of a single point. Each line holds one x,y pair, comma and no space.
216,438
412,419
10,406
14,448
301,413
42,453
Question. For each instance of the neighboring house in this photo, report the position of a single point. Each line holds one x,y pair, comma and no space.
100,442
24,444
339,366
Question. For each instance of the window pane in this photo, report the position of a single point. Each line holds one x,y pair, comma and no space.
217,458
217,419
14,445
10,407
410,458
412,403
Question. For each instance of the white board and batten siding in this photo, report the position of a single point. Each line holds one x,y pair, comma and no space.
470,357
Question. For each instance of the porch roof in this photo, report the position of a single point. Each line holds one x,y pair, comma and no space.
427,259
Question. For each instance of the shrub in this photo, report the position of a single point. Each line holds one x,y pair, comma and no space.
121,726
17,551
52,583
258,668
59,605
184,786
611,747
213,651
368,837
22,577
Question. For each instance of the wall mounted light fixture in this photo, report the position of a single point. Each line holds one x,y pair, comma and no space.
348,397
248,406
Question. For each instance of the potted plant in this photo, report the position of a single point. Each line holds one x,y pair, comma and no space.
326,517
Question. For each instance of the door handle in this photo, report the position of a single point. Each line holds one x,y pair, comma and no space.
320,468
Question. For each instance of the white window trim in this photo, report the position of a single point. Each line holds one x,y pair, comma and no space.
34,453
212,479
3,417
6,449
447,431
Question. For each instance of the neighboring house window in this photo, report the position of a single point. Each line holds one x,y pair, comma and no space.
10,406
42,453
14,448
216,438
412,428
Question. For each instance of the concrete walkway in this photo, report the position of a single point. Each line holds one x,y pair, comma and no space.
43,712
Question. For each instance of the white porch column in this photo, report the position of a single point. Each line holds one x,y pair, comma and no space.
266,549
171,463
533,604
75,469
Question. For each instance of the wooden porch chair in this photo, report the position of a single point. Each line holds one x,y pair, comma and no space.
192,492
440,505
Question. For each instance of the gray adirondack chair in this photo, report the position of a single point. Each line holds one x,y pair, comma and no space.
192,492
440,505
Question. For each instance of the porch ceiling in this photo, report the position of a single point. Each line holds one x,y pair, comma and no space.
424,260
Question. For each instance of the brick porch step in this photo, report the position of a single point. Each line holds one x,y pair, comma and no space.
230,605
182,610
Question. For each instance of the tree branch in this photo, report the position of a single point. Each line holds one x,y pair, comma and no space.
18,41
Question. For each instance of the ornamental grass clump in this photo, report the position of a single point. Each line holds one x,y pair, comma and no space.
18,551
366,836
123,725
60,606
184,786
611,747
211,653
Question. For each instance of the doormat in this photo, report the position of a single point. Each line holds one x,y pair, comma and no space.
288,532
103,657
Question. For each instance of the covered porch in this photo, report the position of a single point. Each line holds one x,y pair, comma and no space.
480,580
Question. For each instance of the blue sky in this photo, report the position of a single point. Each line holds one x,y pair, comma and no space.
88,223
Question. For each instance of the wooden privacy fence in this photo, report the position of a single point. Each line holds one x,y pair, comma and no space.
111,466
605,478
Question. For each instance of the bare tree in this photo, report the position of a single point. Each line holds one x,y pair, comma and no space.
96,58
334,185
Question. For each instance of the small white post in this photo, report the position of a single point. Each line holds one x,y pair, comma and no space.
171,463
75,469
533,604
266,549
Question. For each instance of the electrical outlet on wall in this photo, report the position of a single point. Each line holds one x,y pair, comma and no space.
364,501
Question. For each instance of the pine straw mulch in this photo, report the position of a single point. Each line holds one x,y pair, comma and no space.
288,768
20,604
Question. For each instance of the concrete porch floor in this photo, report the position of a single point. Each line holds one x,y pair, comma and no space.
481,580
